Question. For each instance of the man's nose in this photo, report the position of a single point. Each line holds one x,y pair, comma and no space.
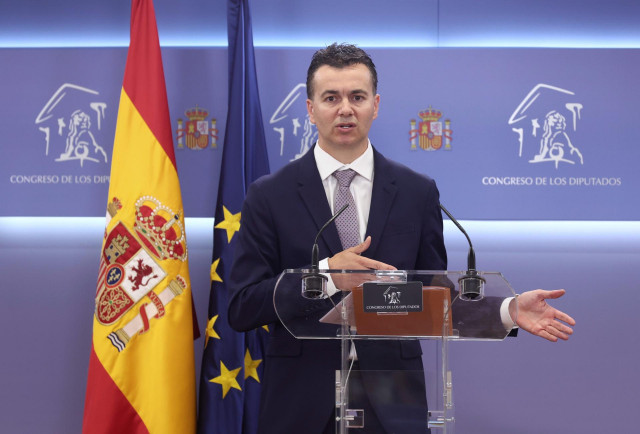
345,108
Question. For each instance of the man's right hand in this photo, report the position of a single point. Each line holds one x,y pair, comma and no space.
351,259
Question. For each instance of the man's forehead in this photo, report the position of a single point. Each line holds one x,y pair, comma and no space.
353,78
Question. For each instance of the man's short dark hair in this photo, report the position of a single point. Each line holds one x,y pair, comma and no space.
339,56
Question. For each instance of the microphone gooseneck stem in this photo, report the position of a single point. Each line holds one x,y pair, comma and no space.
314,283
471,284
314,257
471,257
314,250
335,216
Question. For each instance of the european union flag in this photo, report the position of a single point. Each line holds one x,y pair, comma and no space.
232,362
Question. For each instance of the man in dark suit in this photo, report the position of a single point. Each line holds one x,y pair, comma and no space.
397,225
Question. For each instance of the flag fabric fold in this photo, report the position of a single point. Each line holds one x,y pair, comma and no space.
232,362
141,371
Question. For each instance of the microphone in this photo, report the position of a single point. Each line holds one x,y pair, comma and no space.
471,284
314,284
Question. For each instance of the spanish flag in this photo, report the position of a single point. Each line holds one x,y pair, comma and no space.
141,370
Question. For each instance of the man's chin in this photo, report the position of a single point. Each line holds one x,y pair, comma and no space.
349,140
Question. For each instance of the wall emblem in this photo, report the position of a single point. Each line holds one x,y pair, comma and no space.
546,122
430,134
69,121
197,132
290,121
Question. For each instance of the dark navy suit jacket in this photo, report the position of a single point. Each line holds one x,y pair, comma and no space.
281,216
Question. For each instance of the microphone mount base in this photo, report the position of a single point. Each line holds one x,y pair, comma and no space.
314,286
471,286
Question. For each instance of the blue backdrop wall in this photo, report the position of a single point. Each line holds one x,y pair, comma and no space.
491,76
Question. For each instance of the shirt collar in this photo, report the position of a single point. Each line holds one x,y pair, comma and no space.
363,165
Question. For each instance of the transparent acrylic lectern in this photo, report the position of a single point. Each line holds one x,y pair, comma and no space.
381,307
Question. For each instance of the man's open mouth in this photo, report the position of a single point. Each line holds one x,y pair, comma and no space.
346,126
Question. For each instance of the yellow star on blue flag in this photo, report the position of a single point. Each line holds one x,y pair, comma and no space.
231,223
211,333
215,277
227,379
251,366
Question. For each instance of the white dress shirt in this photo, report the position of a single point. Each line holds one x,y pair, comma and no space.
361,185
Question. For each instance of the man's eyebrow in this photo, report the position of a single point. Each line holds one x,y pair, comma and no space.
329,92
335,92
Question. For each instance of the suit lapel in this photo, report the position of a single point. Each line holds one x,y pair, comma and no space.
314,198
382,195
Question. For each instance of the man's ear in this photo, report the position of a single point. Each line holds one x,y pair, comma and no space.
310,111
376,105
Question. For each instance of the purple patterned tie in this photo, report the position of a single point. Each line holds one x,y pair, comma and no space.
347,222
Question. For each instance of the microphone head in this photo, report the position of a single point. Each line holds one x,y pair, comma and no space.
471,286
314,286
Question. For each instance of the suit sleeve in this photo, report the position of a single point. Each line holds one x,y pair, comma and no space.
255,268
258,264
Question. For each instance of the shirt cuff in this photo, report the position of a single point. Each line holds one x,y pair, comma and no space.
331,287
507,321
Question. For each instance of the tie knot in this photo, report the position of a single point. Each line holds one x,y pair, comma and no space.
344,177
